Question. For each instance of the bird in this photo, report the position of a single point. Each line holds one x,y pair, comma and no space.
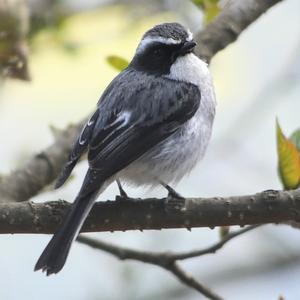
151,126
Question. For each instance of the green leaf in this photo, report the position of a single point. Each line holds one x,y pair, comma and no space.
199,3
117,62
288,161
295,138
210,8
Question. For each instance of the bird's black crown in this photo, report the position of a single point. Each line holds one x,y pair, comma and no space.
168,30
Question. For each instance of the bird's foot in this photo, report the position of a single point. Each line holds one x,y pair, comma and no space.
172,193
175,203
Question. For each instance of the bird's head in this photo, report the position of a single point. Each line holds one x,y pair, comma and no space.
161,46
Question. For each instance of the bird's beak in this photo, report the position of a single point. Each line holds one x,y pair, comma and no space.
187,47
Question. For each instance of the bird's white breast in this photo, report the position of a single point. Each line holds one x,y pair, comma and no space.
191,69
177,155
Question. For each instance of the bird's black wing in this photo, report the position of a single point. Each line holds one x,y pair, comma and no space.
79,148
140,112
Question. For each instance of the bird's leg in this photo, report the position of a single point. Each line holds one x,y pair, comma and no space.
175,202
171,192
123,194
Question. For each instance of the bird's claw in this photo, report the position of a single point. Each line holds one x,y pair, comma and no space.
175,203
123,195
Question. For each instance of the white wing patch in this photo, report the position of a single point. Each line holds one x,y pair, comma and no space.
81,140
90,122
124,117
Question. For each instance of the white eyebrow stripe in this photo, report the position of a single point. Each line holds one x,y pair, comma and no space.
190,36
150,39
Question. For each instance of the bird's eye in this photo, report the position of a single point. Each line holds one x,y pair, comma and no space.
158,52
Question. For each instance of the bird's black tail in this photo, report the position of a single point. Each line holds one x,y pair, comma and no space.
55,254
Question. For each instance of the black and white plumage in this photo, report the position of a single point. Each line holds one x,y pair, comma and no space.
152,124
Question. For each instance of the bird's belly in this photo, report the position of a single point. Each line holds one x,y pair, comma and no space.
175,157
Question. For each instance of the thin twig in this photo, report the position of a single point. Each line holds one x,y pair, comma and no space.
214,248
166,260
159,259
192,282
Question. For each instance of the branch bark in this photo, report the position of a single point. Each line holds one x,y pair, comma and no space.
265,207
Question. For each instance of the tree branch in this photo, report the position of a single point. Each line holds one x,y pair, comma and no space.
40,170
158,259
43,168
229,24
192,282
166,260
265,207
214,248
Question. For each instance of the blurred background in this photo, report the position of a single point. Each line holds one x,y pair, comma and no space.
257,79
